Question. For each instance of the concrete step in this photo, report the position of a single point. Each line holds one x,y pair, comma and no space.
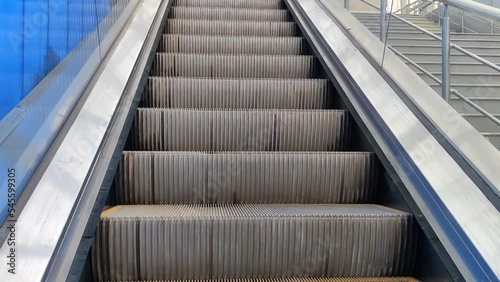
408,48
396,22
469,78
490,104
458,58
429,41
471,90
375,29
494,139
455,67
482,123
454,36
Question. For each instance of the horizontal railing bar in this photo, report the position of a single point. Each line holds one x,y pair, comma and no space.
452,90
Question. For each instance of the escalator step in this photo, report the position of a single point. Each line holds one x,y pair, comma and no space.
232,178
236,66
240,130
204,13
329,279
255,4
245,241
197,44
170,92
245,28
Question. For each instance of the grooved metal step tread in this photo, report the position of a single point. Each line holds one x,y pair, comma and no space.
245,177
206,13
256,4
234,66
201,93
243,241
330,279
256,28
240,130
198,44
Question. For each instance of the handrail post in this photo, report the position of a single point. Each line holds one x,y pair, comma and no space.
463,21
445,91
346,5
382,20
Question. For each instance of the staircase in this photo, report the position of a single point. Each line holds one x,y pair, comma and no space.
478,82
241,167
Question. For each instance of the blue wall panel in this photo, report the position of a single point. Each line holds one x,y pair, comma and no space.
35,35
11,50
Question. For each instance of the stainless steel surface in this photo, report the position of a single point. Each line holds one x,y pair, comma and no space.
265,240
445,55
451,186
41,225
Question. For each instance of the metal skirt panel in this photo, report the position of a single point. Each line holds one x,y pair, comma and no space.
245,177
248,241
240,130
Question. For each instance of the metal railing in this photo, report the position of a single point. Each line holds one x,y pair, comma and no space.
446,46
418,7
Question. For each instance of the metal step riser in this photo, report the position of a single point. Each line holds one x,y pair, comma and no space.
233,45
453,58
234,66
437,49
258,4
329,279
458,68
474,91
492,106
237,94
483,124
246,178
193,242
472,78
234,28
265,130
225,14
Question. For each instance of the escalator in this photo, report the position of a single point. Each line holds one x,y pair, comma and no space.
243,164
